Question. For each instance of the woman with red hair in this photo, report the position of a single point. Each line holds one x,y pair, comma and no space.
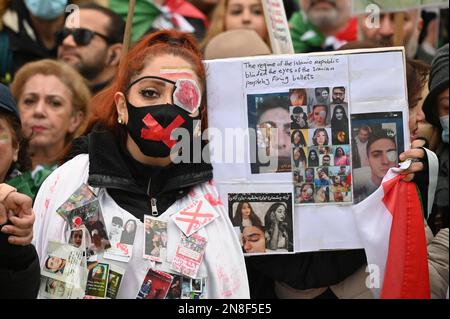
137,157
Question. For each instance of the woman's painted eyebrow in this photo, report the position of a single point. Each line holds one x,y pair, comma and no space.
149,77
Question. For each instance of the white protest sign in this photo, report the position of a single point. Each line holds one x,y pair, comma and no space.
277,26
367,87
365,6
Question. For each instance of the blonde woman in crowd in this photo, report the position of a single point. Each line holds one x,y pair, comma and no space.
237,14
53,102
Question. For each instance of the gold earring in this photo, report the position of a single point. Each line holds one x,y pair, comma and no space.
119,120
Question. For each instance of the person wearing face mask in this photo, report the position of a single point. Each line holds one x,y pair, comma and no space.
28,34
131,159
436,111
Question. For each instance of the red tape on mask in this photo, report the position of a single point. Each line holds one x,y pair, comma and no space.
155,132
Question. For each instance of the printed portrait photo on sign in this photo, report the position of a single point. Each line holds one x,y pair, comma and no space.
269,117
299,117
264,221
384,141
340,124
298,97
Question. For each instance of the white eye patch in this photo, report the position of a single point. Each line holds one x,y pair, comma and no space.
309,191
392,156
323,114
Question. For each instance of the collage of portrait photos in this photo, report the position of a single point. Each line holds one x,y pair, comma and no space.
263,221
320,145
377,140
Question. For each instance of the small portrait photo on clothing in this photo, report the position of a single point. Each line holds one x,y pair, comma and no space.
175,287
91,217
193,288
114,281
382,142
97,279
53,288
129,232
61,260
155,238
265,221
270,118
155,285
77,237
196,285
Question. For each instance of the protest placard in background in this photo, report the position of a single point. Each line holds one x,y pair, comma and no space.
374,81
277,27
361,6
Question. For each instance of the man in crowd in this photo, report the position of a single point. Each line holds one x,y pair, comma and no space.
94,46
383,35
322,25
28,33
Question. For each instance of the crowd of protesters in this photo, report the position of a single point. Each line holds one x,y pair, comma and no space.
66,105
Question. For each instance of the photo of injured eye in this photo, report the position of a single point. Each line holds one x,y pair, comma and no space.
384,144
319,117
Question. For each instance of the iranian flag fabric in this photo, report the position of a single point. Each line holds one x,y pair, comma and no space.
391,227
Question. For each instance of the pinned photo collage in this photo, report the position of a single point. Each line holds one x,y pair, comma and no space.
320,145
263,221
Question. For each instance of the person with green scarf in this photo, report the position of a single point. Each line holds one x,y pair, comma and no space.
162,14
322,25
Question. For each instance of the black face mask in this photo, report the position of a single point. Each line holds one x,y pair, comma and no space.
150,127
